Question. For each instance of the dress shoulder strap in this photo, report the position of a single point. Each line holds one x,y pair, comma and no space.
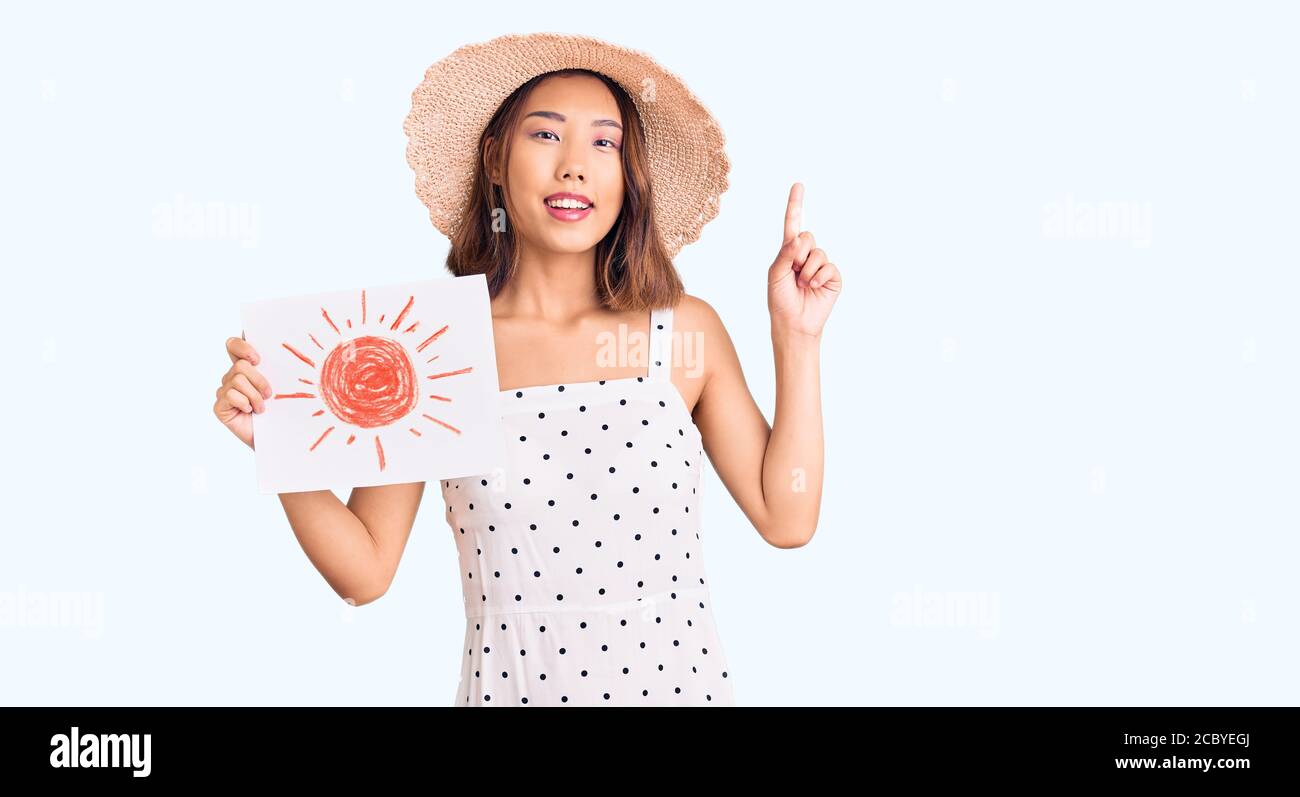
661,343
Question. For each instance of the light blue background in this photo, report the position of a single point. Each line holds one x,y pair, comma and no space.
1090,439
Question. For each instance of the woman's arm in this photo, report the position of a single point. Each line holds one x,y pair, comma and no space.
773,473
356,546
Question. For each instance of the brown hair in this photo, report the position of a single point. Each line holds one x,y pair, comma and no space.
633,270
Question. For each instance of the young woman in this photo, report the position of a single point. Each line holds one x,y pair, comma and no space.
581,557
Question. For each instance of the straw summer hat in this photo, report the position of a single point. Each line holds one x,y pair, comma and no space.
453,104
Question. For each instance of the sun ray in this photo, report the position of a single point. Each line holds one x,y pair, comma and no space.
363,307
351,437
431,338
294,395
402,316
434,357
322,437
451,373
439,398
317,342
416,432
299,354
330,320
435,420
306,381
411,328
380,448
317,412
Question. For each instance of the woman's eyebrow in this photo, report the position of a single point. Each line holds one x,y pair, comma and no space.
559,117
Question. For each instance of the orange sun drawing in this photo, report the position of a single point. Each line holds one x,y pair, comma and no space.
369,381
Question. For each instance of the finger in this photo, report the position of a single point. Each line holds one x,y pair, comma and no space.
828,277
241,383
816,259
237,400
238,347
246,368
227,376
800,248
791,256
793,212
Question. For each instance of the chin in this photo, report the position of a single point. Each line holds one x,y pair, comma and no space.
570,245
571,241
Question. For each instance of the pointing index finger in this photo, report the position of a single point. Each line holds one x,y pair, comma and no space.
794,211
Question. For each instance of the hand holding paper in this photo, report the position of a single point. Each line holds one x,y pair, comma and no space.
243,390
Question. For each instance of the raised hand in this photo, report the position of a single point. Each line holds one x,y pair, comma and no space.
802,285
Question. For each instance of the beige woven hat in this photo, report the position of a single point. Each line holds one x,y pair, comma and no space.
453,104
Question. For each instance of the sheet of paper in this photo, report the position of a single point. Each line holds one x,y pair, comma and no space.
378,385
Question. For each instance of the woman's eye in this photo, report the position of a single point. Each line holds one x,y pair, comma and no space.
611,142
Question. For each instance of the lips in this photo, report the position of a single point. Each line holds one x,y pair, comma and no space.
568,214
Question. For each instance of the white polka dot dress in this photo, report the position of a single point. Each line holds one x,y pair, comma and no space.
581,558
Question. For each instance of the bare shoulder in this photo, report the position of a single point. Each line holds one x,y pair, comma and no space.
694,315
702,332
701,346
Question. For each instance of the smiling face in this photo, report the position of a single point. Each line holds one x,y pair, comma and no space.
568,141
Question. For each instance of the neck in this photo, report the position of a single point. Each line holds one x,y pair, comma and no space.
550,286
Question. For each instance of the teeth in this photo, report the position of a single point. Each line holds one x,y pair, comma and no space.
566,203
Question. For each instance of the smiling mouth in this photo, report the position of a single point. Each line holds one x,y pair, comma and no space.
568,204
568,211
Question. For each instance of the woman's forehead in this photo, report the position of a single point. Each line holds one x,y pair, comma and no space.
574,96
